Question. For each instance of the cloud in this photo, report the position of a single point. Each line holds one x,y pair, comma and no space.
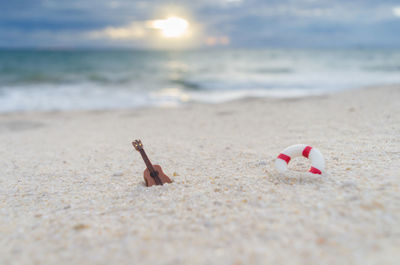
396,11
170,33
244,23
134,31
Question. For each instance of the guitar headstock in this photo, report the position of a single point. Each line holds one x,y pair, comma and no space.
138,145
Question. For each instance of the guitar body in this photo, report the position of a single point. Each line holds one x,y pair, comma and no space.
153,175
150,181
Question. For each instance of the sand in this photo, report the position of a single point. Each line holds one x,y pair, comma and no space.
72,192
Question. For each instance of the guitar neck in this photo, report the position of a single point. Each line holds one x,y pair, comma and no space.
146,160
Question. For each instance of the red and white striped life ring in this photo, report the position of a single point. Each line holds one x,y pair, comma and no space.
317,160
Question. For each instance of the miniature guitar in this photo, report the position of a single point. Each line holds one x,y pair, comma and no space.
153,174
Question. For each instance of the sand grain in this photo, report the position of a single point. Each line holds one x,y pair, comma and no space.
71,192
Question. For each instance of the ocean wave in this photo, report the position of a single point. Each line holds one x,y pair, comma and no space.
38,78
274,70
189,85
108,79
15,79
96,80
383,68
70,96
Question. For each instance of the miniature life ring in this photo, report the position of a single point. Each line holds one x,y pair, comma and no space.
317,160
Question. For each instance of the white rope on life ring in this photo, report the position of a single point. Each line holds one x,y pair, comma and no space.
317,160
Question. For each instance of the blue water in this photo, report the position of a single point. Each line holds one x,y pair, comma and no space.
59,80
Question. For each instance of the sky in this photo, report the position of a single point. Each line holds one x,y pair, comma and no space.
199,23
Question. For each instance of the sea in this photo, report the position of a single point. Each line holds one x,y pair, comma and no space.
49,80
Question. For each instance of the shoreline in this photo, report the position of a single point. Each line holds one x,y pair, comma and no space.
72,187
200,103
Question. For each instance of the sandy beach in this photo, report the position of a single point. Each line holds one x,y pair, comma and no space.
72,190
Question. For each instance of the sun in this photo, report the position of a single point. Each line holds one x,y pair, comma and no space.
172,27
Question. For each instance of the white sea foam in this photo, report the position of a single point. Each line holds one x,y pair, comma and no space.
128,79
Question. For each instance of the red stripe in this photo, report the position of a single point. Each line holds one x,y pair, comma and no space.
284,157
315,170
306,151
